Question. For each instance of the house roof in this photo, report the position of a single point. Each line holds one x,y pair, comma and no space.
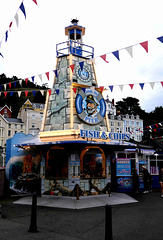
14,120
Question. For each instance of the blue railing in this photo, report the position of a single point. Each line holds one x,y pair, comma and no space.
75,48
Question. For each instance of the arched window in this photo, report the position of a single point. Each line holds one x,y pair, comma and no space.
92,163
56,163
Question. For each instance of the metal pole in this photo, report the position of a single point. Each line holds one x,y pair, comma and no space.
108,222
33,223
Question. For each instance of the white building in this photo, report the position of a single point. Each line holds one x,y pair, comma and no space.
124,123
32,114
8,127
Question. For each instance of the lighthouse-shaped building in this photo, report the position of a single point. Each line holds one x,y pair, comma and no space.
75,142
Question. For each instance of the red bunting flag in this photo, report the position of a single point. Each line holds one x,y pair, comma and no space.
49,91
26,93
145,45
35,1
47,74
131,86
162,84
26,80
104,58
72,67
102,88
9,85
5,93
10,26
74,89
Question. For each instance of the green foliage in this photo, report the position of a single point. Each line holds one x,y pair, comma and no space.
14,101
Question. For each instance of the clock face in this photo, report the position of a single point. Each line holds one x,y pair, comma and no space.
84,75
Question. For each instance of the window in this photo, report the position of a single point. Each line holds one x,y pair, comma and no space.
9,133
21,126
9,125
56,163
111,123
132,123
16,126
128,129
92,162
33,125
33,116
119,124
41,107
34,106
5,110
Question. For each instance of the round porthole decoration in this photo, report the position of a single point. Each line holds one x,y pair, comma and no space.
83,75
90,106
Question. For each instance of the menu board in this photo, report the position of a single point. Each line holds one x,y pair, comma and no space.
123,166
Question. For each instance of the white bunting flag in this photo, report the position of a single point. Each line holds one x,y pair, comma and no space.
17,19
129,50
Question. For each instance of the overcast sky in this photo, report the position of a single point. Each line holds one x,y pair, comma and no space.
110,25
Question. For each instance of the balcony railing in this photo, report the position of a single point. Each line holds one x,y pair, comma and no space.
75,48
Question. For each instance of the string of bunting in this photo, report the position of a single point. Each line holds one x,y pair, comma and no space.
16,18
26,92
155,127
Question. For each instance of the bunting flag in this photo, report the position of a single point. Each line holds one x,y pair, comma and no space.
116,54
34,93
6,36
84,89
131,86
47,74
152,84
57,91
23,9
26,93
72,67
5,93
160,39
81,65
129,50
33,79
26,80
40,76
11,93
74,89
141,85
56,73
9,85
101,88
104,58
111,88
145,45
35,1
121,87
49,91
16,19
42,92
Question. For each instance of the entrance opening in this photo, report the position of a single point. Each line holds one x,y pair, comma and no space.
92,163
56,163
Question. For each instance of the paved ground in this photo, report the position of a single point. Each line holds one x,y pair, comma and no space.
140,220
